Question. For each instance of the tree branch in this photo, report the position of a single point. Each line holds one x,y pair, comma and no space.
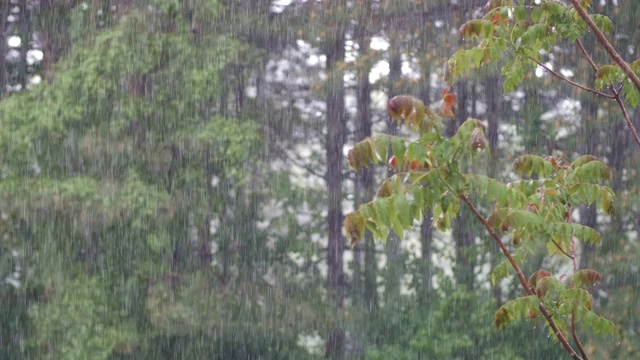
566,79
625,115
521,276
586,54
606,44
616,95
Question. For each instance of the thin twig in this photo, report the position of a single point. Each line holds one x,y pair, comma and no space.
520,275
562,250
625,115
586,55
606,44
569,217
566,79
616,95
575,335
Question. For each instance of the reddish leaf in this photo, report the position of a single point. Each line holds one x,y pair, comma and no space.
448,103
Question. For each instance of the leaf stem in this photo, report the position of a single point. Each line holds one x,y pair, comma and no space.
569,217
521,277
566,79
625,115
562,250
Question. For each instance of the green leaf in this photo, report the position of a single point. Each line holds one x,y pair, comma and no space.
605,201
515,309
553,8
630,92
500,271
602,22
382,210
535,33
514,73
497,218
429,137
402,209
525,219
363,153
607,74
415,193
561,233
520,13
477,55
386,189
578,297
476,28
397,227
537,14
585,233
529,164
398,148
581,160
599,325
594,170
549,288
354,226
585,278
585,192
459,64
416,150
382,146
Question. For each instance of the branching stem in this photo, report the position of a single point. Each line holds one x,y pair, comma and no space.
616,94
522,278
566,79
606,44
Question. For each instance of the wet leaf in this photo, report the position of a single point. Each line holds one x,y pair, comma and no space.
354,226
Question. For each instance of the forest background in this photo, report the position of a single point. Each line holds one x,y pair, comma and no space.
174,181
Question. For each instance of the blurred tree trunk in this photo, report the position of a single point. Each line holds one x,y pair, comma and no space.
364,178
4,30
620,147
24,31
426,240
494,114
426,229
335,140
463,237
588,132
392,248
52,21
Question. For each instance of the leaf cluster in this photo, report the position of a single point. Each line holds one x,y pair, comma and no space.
534,212
525,33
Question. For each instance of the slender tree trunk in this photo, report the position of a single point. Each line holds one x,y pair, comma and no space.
25,34
426,240
392,248
426,228
588,214
51,21
335,140
495,110
617,158
364,177
464,239
4,28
